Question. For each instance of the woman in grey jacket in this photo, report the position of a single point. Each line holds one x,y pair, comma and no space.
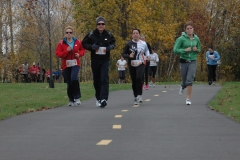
212,58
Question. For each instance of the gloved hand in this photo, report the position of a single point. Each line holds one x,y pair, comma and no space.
95,47
109,48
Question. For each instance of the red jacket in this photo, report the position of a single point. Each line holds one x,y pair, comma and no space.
61,51
33,70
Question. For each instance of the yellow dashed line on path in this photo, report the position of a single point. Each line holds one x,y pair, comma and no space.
124,110
147,100
164,91
104,142
156,95
135,105
117,127
118,116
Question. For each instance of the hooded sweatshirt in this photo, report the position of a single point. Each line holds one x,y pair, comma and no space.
184,42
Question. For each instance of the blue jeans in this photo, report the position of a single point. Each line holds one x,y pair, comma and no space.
73,86
100,70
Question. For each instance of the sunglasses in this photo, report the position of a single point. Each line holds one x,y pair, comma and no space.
101,24
69,32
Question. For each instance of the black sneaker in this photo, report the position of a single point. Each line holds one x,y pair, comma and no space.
209,82
103,103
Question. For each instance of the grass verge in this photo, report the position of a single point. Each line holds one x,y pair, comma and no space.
227,101
21,98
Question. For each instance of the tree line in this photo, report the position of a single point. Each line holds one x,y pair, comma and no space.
23,26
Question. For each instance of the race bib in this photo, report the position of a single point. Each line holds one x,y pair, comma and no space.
70,63
135,63
101,51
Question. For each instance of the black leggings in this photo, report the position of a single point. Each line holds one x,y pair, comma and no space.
145,74
136,74
152,71
121,74
212,73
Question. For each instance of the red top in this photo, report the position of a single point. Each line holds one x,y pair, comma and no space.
61,51
33,70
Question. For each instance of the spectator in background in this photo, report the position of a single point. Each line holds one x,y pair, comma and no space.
24,72
57,74
33,72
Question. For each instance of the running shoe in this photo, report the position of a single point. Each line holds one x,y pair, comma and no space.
77,101
98,104
214,82
181,91
70,103
103,103
136,101
188,102
139,99
147,88
143,86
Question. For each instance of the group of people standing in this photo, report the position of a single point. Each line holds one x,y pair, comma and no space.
142,60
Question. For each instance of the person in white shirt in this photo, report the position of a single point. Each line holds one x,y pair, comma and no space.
121,64
153,67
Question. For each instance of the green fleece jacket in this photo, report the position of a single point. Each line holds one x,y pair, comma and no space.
184,42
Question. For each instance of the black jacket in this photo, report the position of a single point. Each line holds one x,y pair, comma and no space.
104,39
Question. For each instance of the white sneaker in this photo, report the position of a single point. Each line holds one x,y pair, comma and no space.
150,84
77,101
136,101
181,91
70,103
214,82
188,102
154,85
139,99
98,104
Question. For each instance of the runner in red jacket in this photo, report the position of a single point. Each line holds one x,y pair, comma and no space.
70,50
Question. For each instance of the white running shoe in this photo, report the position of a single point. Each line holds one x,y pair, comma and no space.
154,85
70,103
150,84
139,99
214,82
181,91
136,101
98,104
77,101
188,102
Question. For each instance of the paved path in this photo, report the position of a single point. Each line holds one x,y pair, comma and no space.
162,128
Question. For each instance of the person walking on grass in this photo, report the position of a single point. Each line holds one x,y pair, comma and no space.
100,42
188,46
212,58
135,50
70,50
153,67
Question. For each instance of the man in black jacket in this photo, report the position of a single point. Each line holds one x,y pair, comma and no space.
100,42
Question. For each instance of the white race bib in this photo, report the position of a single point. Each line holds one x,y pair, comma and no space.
135,63
70,63
101,51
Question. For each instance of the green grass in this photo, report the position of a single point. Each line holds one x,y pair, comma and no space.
21,98
227,101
